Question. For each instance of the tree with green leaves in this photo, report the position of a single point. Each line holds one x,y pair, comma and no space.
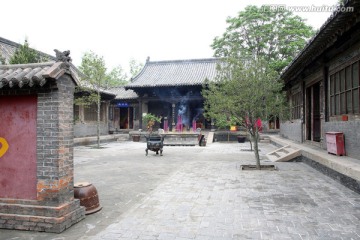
276,35
96,79
116,77
245,91
25,54
2,59
135,67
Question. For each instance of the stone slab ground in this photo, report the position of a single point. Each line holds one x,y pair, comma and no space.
201,193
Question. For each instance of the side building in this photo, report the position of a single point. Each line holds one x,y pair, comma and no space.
123,111
322,83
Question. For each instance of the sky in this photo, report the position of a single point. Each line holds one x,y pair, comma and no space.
120,30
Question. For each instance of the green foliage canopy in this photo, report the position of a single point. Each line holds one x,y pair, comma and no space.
24,54
94,70
94,80
274,35
135,67
245,90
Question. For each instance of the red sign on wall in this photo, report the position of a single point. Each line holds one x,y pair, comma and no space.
18,147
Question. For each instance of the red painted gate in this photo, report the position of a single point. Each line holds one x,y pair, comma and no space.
18,147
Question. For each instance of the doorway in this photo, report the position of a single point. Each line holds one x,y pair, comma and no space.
126,118
313,114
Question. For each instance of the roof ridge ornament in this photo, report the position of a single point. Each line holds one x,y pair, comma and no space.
63,57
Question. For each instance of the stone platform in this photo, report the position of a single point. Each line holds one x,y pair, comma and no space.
173,138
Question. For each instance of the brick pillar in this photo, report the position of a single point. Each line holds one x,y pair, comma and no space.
55,208
55,143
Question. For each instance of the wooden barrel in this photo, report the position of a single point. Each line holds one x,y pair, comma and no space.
88,196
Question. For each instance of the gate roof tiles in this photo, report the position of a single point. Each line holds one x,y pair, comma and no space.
33,74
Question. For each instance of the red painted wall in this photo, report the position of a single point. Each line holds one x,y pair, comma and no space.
18,165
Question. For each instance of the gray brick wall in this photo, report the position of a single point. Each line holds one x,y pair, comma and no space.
89,129
55,142
291,130
351,130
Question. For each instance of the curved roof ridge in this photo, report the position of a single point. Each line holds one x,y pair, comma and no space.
27,65
9,42
184,60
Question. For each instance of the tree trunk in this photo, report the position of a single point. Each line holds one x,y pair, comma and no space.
250,140
256,150
98,120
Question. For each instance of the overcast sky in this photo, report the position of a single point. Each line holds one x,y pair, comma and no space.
121,30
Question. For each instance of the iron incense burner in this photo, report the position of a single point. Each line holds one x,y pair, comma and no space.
155,143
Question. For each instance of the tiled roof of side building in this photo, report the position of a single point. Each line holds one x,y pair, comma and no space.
8,48
335,26
175,73
31,75
122,93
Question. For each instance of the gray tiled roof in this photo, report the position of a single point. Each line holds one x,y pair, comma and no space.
122,93
175,73
8,48
30,75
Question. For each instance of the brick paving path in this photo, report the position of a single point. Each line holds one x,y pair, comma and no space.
200,193
213,199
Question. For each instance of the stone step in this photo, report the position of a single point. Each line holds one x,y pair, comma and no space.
123,137
284,154
210,137
178,139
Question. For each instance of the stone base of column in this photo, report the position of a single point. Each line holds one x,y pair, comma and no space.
20,215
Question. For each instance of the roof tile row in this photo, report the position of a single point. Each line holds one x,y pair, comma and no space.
121,93
31,75
175,73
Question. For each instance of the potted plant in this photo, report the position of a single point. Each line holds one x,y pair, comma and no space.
150,121
225,122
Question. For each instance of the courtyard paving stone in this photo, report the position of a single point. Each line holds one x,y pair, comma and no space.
201,193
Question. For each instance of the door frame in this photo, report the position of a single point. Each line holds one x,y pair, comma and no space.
313,112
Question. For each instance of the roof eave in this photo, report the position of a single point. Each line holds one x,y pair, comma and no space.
309,53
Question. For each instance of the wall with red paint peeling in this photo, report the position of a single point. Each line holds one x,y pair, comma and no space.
18,167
